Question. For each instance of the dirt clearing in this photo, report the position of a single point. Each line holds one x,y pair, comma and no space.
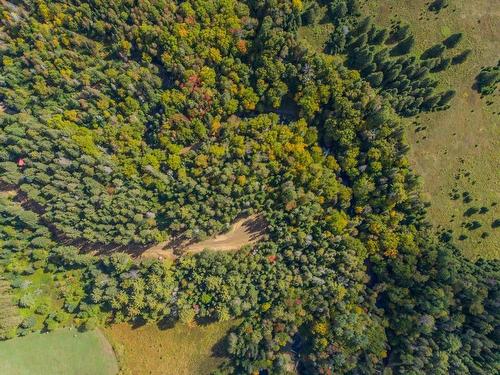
245,231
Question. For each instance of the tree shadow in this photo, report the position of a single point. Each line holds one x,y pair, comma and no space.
166,323
220,348
138,323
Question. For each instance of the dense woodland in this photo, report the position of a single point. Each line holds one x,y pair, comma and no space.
127,123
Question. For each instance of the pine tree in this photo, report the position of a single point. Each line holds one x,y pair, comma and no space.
400,33
381,56
431,102
443,65
392,74
370,68
446,97
311,15
359,41
433,52
453,40
362,59
437,5
487,80
461,57
420,73
379,37
430,63
338,10
403,47
363,26
375,79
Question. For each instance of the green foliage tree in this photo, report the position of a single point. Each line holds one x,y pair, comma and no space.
438,5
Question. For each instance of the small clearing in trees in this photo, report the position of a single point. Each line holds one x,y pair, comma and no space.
246,231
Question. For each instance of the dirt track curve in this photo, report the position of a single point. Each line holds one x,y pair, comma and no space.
245,231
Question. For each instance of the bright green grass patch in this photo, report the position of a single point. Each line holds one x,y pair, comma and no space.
457,151
62,352
315,36
179,350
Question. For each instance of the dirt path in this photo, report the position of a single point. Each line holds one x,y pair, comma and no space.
245,231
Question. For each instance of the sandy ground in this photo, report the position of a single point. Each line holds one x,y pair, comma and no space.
245,231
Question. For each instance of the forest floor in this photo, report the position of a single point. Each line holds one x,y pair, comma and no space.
457,151
61,352
180,350
245,231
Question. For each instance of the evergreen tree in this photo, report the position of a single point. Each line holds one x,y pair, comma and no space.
338,9
487,79
442,65
400,33
433,52
379,37
404,47
375,79
453,40
446,97
461,57
437,5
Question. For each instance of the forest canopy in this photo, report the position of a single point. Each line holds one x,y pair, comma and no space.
127,123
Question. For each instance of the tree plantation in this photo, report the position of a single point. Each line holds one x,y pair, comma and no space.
127,123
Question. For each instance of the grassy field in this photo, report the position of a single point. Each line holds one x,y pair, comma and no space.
62,352
316,35
457,151
179,350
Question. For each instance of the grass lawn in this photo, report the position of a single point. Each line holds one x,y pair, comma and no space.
62,352
458,150
179,350
315,36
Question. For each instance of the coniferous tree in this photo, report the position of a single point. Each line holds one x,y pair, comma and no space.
404,47
453,40
433,52
437,5
400,33
461,57
375,79
446,97
338,9
442,65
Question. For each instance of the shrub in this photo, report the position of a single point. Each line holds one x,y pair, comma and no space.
27,300
28,322
437,5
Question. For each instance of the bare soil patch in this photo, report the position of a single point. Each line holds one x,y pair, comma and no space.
245,231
